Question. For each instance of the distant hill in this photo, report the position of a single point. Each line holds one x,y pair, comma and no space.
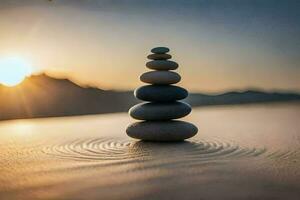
245,97
44,96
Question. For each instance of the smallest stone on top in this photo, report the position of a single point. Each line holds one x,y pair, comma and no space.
160,50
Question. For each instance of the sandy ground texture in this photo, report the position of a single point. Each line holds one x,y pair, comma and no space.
240,152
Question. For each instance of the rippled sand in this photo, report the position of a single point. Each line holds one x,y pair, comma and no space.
241,152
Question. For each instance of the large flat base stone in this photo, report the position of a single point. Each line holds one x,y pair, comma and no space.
162,131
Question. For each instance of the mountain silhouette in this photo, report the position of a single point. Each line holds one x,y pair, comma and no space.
45,96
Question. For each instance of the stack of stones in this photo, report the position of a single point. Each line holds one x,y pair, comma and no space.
163,105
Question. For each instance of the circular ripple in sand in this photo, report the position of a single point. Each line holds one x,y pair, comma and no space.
113,149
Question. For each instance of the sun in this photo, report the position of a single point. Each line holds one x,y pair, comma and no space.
13,70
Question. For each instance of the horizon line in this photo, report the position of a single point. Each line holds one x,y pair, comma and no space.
89,85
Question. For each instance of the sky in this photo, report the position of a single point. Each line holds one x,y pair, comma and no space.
220,45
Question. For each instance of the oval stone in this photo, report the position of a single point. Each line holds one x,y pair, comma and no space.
160,50
162,131
162,65
159,56
160,111
160,93
160,77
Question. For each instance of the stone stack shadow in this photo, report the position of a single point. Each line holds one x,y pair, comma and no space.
163,103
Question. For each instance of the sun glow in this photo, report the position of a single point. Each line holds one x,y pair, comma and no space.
13,70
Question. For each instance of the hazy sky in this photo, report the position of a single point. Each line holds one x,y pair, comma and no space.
220,45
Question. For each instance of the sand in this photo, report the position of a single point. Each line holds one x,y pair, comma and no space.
240,152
